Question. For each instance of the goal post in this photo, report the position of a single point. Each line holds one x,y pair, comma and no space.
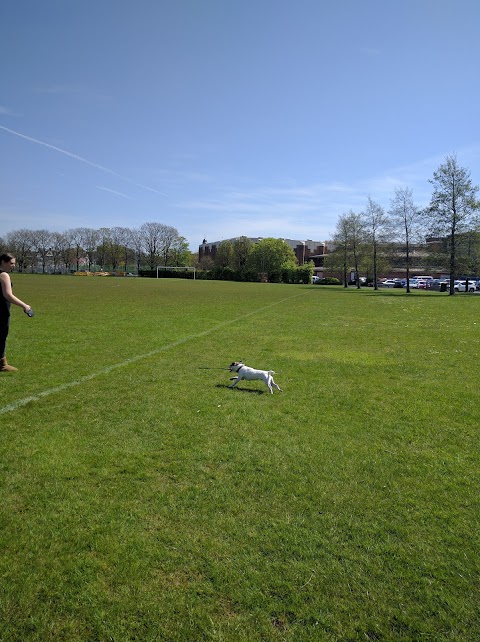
182,268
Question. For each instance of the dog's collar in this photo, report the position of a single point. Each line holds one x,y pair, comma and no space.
239,367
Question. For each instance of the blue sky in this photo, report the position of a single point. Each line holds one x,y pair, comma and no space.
226,117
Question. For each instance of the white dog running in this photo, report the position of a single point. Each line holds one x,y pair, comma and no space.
244,372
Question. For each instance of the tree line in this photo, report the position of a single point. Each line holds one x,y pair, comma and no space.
114,248
145,248
370,242
268,259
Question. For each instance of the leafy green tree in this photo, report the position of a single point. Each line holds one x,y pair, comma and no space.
179,252
269,256
453,207
224,255
241,250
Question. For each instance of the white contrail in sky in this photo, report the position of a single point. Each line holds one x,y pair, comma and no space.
112,191
79,158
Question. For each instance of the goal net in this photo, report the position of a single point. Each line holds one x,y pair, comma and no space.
182,268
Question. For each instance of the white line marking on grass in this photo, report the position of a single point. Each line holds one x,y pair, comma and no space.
78,382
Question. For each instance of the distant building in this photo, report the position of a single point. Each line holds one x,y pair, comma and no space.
421,255
305,251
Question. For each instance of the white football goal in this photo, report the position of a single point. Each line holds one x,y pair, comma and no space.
182,268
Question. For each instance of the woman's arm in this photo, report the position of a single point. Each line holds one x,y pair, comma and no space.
8,294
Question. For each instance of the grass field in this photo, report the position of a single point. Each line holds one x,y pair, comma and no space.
140,499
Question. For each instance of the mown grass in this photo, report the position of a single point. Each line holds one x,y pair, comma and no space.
146,501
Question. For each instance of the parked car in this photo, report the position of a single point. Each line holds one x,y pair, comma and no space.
474,282
424,278
387,283
441,285
421,282
461,286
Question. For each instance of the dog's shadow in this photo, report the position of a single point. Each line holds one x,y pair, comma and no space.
251,390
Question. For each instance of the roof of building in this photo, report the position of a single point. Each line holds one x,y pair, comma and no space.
255,239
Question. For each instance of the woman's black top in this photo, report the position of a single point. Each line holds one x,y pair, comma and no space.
4,305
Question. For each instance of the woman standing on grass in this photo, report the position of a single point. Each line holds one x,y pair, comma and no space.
7,265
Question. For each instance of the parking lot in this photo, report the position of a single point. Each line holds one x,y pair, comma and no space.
429,283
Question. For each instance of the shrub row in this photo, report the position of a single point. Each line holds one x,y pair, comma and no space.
328,280
167,274
301,274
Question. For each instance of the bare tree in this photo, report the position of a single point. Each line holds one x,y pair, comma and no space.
206,263
116,247
339,257
152,237
168,238
56,249
128,251
20,243
102,247
90,239
406,219
467,254
453,207
377,231
136,237
76,238
156,241
349,241
66,251
42,241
